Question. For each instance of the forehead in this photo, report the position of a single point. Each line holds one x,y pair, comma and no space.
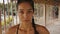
24,5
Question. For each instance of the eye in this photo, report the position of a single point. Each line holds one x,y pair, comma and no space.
21,12
30,11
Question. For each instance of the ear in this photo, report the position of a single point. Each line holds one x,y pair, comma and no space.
33,14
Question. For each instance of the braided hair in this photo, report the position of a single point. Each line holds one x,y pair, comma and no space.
32,4
33,23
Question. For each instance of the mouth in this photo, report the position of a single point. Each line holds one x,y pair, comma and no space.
26,20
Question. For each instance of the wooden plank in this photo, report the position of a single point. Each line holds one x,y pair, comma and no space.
0,24
4,16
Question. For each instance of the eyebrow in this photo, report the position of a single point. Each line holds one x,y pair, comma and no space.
27,9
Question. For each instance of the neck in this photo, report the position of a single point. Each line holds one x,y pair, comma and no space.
25,26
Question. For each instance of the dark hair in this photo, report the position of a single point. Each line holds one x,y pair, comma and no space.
33,23
31,2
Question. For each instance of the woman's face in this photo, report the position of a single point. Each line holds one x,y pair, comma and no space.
25,12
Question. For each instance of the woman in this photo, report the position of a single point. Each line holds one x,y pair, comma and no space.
27,25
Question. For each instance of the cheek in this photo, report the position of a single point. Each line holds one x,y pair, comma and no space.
20,16
30,16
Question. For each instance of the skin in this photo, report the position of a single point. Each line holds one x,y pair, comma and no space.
25,13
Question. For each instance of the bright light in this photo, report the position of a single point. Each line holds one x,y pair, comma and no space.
1,1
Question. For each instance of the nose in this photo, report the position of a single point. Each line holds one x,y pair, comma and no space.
25,15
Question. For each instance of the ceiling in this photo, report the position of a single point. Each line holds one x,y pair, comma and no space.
50,2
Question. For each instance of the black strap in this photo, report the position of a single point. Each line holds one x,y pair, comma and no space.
17,29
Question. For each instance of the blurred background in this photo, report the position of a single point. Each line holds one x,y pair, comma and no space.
47,13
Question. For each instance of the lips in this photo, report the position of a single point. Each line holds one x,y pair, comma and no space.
26,20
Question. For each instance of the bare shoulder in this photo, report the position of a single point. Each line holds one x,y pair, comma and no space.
12,30
42,29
